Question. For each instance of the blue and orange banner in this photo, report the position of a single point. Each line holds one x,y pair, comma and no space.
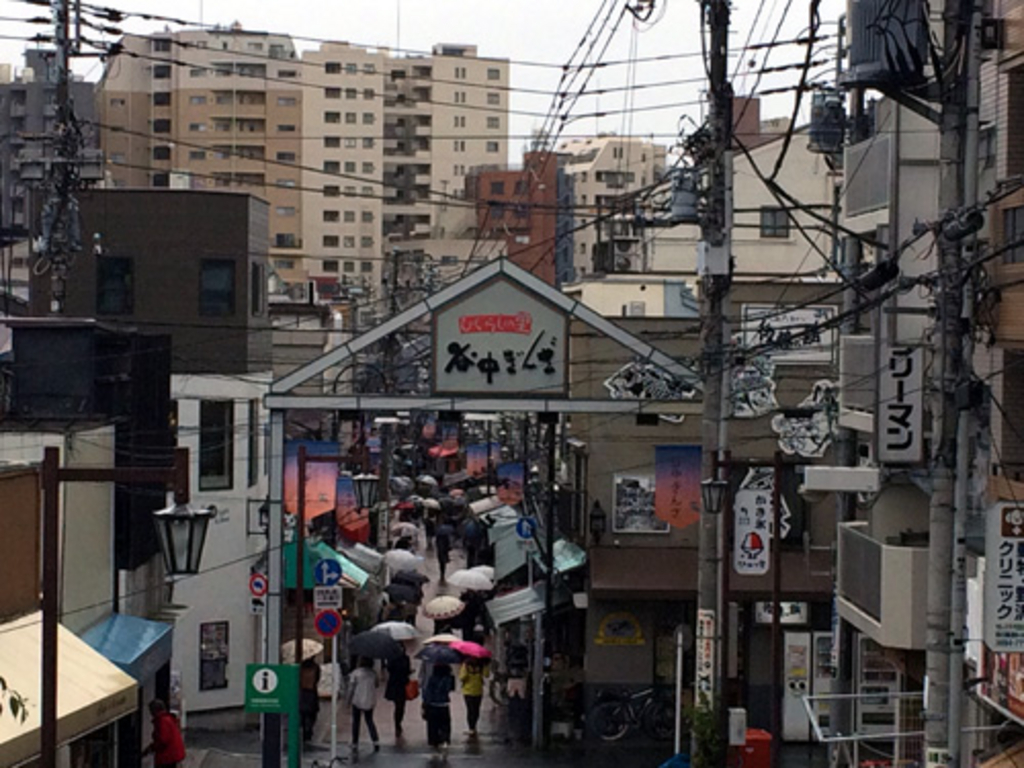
353,522
477,457
677,484
321,478
510,482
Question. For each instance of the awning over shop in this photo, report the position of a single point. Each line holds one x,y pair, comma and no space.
367,558
351,574
91,691
498,516
568,557
137,646
509,550
523,602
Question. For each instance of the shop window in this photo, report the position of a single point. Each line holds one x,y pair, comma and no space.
213,655
216,444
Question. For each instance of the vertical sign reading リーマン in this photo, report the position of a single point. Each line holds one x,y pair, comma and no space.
901,406
500,340
1004,578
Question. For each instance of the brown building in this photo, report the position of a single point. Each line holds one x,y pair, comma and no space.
189,264
521,207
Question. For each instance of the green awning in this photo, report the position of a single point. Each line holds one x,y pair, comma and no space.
567,556
352,575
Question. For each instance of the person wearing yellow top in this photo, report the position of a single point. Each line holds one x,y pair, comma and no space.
472,676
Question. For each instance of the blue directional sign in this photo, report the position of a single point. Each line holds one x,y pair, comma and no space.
327,572
526,528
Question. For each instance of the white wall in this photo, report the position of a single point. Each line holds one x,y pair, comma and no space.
88,519
220,591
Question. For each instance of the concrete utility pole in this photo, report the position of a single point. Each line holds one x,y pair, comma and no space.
716,276
949,371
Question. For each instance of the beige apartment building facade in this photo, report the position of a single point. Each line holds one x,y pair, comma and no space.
353,147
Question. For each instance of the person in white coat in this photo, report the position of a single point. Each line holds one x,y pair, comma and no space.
362,696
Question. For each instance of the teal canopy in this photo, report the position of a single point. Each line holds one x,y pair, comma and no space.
352,575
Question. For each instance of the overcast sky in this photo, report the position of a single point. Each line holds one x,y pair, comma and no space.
545,31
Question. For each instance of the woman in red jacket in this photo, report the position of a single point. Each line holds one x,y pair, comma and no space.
168,748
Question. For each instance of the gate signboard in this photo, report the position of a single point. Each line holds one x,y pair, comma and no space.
500,340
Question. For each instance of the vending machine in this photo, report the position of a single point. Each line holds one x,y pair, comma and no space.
807,671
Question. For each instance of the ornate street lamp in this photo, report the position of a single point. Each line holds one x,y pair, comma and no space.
181,530
367,488
712,494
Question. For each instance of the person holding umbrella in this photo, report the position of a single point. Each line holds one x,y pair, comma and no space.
399,671
443,543
471,675
436,709
362,695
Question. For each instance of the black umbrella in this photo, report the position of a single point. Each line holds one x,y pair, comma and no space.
375,645
439,653
410,577
402,593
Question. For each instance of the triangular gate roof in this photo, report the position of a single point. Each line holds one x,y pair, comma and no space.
281,391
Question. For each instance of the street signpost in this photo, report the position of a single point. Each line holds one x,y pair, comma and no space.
272,688
328,622
526,528
258,586
327,597
327,572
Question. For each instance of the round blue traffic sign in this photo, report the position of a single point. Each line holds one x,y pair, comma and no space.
328,622
526,528
327,572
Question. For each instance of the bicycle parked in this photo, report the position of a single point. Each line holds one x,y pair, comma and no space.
617,713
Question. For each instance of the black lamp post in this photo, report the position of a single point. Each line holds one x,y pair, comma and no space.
367,489
182,533
712,495
598,521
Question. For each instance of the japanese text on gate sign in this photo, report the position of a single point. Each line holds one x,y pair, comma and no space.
500,340
1004,579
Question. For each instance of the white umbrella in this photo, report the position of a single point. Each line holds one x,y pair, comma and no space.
405,529
310,648
427,480
486,570
398,630
472,580
444,637
402,560
443,607
432,504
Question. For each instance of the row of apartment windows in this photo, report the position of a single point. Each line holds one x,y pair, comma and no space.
350,93
351,68
498,187
493,73
348,241
351,118
244,125
335,142
333,217
331,190
492,122
163,71
331,265
335,166
459,145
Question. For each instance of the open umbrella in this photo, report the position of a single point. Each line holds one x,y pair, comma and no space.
398,630
472,580
443,607
439,653
432,504
402,593
375,645
410,577
473,650
402,560
427,480
486,570
405,529
310,648
444,637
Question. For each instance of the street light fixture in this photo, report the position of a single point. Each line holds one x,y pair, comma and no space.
367,488
598,522
712,494
181,530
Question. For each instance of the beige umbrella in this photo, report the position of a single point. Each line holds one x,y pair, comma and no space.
443,607
310,648
444,637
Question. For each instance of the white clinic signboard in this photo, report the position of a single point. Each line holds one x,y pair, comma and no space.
500,340
1004,578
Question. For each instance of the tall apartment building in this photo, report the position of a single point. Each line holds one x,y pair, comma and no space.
28,107
209,109
352,147
604,169
389,141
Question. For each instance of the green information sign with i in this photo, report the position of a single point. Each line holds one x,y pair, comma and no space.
272,688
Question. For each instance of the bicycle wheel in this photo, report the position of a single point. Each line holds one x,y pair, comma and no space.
658,719
609,721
